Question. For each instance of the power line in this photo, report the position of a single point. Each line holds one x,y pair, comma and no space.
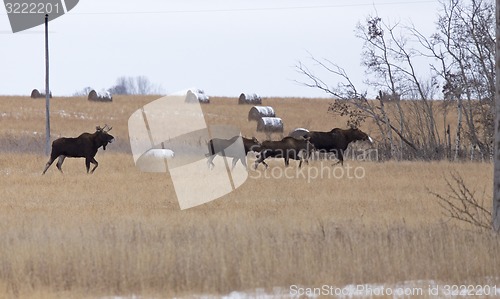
252,9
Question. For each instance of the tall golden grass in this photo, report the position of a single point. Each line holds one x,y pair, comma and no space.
120,231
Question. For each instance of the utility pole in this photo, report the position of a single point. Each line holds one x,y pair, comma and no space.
496,154
47,89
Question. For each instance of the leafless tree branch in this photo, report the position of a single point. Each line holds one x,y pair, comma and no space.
462,203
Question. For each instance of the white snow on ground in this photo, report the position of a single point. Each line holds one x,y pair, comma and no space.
79,115
407,289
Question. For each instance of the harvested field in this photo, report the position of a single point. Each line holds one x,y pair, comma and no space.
120,232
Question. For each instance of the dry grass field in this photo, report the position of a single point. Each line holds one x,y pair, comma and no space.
120,232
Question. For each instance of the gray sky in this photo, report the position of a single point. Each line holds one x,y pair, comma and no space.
224,47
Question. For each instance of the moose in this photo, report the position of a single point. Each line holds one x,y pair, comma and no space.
83,146
287,148
217,146
337,140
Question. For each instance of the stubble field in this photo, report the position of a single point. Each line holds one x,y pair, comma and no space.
120,232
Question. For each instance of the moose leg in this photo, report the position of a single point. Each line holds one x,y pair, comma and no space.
210,164
305,156
265,164
235,160
340,157
60,162
51,160
243,161
260,160
261,157
93,161
87,164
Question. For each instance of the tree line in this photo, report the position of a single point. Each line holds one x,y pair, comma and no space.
127,85
461,74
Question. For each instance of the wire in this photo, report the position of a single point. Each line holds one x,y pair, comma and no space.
252,9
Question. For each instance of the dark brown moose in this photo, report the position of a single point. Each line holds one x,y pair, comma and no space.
83,146
336,141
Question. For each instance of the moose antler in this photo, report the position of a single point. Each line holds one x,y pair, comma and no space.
103,129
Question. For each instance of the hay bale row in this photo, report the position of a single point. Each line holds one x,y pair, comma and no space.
197,96
35,93
100,97
270,125
257,112
266,119
250,98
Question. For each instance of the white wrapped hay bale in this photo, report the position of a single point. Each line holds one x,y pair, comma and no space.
103,96
298,132
35,93
154,160
250,98
197,96
270,125
258,112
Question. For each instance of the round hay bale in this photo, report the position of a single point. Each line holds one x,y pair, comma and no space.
250,98
258,112
35,93
197,96
92,95
270,125
104,96
298,132
154,160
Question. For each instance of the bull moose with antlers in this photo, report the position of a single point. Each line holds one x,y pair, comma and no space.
83,146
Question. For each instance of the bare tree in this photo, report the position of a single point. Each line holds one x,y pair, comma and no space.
347,95
84,92
143,85
122,86
463,204
460,56
464,46
463,51
139,85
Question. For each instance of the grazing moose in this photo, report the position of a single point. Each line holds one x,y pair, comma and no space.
336,141
217,146
83,146
287,148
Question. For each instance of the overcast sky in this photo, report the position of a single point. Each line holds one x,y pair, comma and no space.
224,47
